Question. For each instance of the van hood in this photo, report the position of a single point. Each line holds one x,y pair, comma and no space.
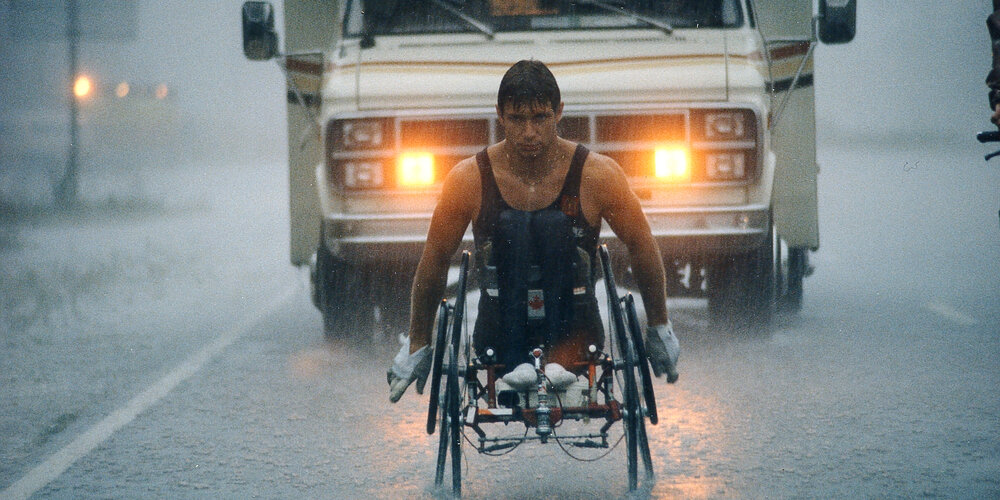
442,74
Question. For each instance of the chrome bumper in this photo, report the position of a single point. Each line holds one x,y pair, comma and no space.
678,231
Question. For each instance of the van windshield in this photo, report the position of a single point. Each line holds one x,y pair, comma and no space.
405,17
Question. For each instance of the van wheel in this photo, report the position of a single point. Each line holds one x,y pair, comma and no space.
343,297
741,289
797,269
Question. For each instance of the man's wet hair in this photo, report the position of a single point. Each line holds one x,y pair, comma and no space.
526,83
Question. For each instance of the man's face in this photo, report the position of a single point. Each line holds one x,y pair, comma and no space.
530,129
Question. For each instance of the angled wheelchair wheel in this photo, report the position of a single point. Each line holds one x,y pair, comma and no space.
453,409
645,379
632,418
631,364
437,361
450,438
450,411
645,382
440,346
643,442
443,436
446,409
636,421
457,386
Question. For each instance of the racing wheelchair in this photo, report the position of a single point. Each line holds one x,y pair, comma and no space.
468,399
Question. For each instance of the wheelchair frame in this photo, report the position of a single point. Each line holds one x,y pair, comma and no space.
619,388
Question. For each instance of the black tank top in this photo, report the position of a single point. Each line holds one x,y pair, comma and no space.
568,202
509,278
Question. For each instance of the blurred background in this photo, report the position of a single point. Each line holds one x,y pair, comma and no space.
916,68
159,85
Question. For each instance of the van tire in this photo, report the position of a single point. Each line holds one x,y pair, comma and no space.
797,269
741,289
343,297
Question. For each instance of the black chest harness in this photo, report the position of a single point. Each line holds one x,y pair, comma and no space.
535,269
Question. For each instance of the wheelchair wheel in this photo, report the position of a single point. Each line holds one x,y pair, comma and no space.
450,432
436,363
643,441
450,339
443,435
457,384
623,352
452,406
631,419
636,439
645,378
440,346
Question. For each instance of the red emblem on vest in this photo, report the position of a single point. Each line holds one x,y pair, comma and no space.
536,304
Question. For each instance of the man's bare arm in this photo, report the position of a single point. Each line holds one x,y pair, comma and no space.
448,224
621,208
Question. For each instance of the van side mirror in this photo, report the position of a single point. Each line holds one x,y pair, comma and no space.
260,41
837,20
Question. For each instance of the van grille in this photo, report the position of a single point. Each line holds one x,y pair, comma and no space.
629,138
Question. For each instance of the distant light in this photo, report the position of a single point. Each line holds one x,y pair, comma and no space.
82,87
122,89
162,91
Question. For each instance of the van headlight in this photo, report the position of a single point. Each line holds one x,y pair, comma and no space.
726,125
415,169
672,164
725,144
358,133
725,166
363,174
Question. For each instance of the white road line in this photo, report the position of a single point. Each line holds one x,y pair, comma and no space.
949,312
59,462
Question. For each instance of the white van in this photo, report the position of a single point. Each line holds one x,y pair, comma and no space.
706,104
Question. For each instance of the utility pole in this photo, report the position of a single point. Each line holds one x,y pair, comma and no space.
66,191
113,23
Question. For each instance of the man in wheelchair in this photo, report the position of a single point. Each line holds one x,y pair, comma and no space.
536,202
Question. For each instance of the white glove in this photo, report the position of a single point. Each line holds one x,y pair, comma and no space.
662,350
406,368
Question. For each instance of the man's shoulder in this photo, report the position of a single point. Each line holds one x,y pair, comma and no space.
465,170
462,180
599,167
603,180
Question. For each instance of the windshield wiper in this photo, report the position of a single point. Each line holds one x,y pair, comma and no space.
471,21
656,23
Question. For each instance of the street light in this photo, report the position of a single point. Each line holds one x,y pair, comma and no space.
82,87
122,90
